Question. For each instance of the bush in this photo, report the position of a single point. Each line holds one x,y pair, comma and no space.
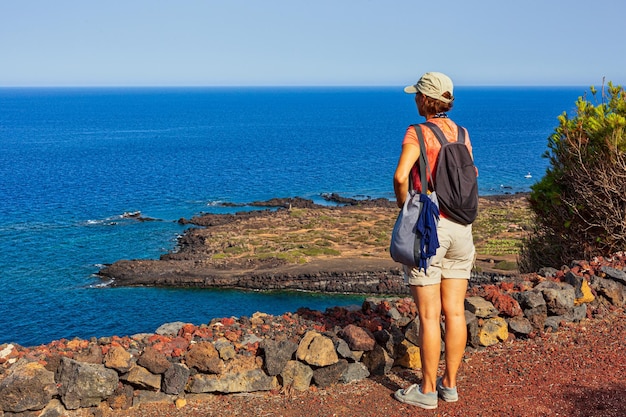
580,204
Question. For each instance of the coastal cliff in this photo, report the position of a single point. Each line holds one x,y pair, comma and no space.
360,276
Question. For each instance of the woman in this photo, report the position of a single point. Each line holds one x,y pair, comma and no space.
441,287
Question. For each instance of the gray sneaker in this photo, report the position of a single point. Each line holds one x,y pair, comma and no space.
449,395
413,395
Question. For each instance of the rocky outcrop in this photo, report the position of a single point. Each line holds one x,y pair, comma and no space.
298,246
292,351
340,275
345,275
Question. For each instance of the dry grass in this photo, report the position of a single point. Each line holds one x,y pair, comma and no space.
298,235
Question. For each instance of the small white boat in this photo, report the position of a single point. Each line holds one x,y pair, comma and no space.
528,175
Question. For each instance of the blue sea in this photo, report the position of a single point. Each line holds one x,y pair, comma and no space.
72,161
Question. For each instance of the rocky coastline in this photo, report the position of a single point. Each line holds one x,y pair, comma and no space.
359,276
329,249
207,255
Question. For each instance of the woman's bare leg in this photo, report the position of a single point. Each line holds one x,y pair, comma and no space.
453,305
428,300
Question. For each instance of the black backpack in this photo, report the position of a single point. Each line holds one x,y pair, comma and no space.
455,179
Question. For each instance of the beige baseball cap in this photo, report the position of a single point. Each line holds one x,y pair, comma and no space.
433,84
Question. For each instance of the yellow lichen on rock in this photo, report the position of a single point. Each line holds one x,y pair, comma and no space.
587,294
411,358
494,330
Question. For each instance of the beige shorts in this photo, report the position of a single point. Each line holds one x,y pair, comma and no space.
453,259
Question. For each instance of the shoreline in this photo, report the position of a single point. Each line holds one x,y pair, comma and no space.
298,245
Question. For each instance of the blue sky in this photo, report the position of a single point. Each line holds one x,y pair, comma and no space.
309,42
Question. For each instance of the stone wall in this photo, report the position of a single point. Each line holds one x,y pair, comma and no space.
292,351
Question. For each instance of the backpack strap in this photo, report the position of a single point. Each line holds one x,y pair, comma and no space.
422,162
461,134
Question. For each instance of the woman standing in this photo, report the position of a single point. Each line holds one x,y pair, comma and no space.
441,287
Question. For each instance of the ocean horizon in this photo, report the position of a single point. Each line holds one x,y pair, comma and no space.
73,160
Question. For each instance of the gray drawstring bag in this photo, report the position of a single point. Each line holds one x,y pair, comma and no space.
411,245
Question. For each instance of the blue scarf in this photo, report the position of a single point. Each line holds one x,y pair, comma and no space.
427,227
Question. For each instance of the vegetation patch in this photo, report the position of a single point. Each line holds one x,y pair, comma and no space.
301,234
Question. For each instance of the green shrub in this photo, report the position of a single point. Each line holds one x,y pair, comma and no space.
580,204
